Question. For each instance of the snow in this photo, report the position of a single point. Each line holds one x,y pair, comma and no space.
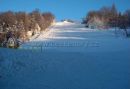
68,56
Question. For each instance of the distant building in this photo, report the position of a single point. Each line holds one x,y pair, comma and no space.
11,42
8,40
68,20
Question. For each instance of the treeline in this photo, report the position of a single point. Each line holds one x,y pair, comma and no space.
109,17
22,25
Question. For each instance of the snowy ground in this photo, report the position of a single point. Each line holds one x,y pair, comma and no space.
68,56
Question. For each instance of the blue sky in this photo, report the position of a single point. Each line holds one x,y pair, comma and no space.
62,9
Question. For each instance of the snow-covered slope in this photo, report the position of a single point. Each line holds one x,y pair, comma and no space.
68,56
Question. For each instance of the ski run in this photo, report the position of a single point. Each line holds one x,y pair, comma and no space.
68,56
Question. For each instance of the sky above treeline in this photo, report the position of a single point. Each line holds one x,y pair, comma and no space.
62,9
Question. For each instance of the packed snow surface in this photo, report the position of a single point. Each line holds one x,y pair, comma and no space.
68,56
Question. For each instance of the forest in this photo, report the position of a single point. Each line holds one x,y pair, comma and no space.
108,17
21,25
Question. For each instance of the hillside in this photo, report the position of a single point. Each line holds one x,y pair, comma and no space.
68,56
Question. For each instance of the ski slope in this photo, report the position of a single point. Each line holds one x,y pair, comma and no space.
68,56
